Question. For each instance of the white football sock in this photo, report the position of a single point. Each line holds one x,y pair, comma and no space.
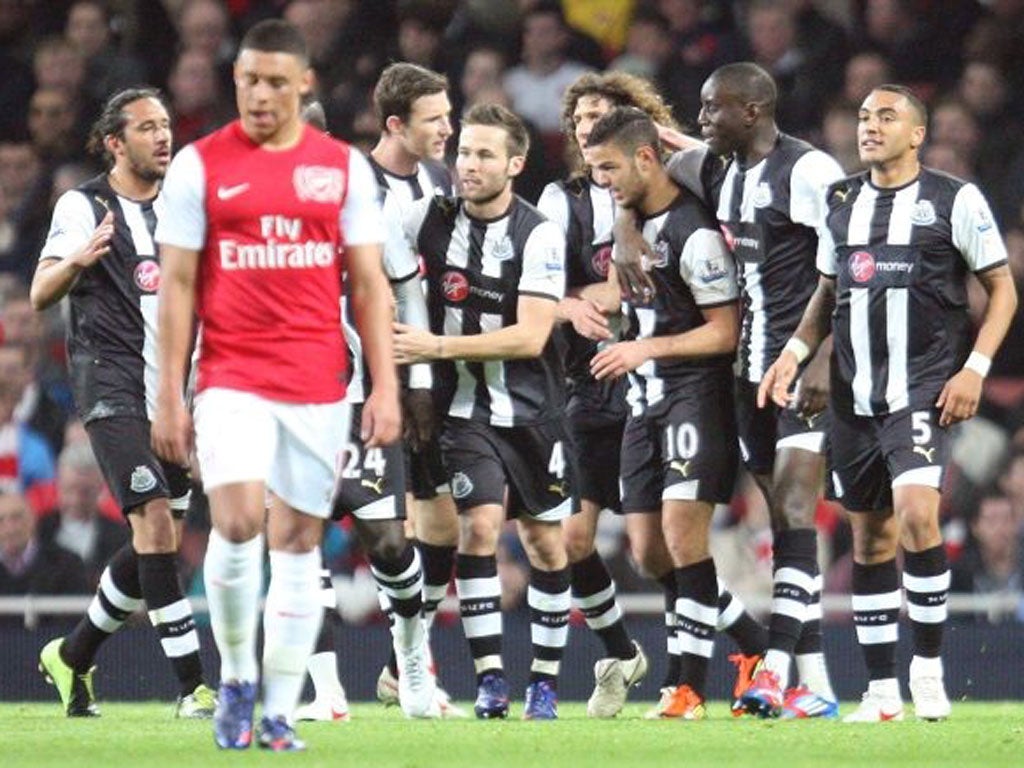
814,674
233,575
778,662
291,620
323,671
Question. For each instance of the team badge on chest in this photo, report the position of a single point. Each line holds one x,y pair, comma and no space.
503,250
762,195
923,213
318,183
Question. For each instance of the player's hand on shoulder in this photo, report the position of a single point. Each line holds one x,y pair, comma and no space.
171,432
98,244
632,255
382,419
959,399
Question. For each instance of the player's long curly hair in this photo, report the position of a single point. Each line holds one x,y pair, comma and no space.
622,90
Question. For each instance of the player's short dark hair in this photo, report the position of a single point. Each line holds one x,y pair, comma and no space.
915,101
275,36
620,89
628,128
113,119
750,83
400,84
495,115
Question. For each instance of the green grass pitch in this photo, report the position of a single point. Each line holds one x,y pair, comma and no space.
988,735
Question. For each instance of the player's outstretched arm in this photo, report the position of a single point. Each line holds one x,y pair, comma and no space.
171,433
813,328
523,339
960,396
55,277
371,306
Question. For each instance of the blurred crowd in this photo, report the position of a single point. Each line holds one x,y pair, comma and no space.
62,58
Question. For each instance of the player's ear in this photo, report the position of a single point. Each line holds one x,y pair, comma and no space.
307,82
917,135
515,165
111,142
393,124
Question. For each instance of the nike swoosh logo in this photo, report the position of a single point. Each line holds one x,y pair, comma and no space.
226,193
887,716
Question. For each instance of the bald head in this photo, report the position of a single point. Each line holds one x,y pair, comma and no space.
747,83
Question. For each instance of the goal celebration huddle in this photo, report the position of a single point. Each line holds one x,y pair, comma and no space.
320,334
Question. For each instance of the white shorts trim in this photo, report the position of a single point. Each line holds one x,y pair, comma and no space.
928,476
807,441
291,447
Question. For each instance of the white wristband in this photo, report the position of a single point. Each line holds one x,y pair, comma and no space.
800,350
978,363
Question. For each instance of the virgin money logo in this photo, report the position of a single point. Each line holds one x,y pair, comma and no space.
455,286
862,266
147,276
601,259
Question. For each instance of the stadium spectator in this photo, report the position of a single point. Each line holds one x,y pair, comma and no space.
204,25
77,524
772,32
992,562
197,106
536,86
864,72
29,566
648,48
484,68
108,69
839,134
26,460
51,124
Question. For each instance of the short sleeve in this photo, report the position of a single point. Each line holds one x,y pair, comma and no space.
544,262
709,268
685,169
183,223
975,233
72,225
413,216
362,221
812,175
826,262
400,262
555,205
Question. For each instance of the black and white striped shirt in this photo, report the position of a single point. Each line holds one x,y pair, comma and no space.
476,272
772,215
586,214
113,305
693,270
398,193
900,258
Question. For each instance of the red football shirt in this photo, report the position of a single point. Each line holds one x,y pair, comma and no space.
270,227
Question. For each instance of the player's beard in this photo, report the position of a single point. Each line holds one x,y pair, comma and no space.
488,197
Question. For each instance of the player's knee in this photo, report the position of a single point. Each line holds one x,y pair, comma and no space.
795,505
579,543
153,528
478,535
919,526
389,546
